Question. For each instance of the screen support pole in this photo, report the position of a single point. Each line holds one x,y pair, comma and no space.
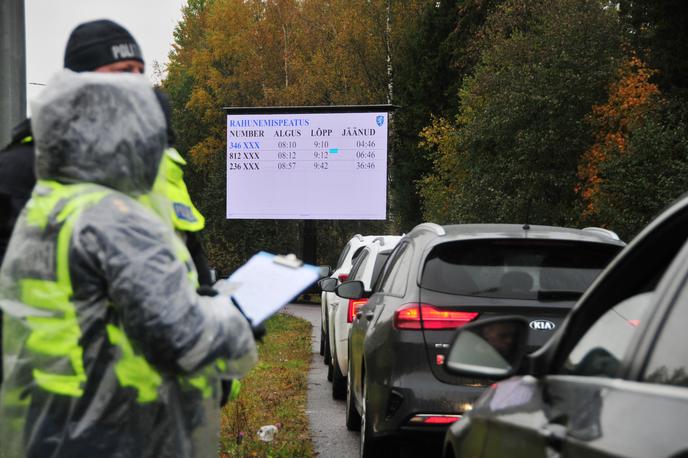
13,65
309,236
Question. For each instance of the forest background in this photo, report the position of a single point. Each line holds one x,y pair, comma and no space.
564,112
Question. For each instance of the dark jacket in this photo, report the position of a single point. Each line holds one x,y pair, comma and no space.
17,179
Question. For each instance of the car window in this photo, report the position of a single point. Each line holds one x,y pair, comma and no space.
519,269
359,267
602,348
342,256
357,253
395,281
668,362
380,260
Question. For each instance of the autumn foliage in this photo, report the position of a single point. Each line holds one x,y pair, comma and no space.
631,98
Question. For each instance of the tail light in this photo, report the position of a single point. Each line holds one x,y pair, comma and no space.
343,277
426,316
354,305
424,419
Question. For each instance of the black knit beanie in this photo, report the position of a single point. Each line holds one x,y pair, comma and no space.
97,43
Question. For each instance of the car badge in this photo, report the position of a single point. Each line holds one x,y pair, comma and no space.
542,325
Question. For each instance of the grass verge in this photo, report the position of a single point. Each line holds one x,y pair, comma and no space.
274,392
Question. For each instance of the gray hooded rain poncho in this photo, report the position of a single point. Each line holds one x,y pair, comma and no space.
109,351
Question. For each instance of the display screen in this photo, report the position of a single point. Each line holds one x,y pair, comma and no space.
307,166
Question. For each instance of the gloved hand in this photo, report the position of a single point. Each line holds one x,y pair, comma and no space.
207,290
258,330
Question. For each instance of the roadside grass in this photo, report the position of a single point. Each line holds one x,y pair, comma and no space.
274,392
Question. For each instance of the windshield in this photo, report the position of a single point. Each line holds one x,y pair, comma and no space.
523,269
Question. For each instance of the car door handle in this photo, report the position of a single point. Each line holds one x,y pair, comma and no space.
369,316
554,435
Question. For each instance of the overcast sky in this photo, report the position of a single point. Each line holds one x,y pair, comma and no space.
49,23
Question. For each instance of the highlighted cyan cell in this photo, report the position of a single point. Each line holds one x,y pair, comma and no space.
334,150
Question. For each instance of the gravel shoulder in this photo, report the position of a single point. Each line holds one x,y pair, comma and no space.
330,436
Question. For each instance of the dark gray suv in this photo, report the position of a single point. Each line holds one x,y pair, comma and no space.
442,277
612,381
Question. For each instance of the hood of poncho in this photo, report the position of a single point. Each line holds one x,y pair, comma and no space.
104,128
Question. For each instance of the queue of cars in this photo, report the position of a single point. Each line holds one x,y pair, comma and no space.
437,279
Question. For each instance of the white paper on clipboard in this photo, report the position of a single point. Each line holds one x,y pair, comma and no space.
264,284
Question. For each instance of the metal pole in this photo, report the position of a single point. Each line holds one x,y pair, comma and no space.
12,67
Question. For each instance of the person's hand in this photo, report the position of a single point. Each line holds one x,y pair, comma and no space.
258,330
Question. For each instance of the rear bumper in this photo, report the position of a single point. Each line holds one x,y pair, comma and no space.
394,405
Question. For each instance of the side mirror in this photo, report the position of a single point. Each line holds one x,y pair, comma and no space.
328,284
324,271
492,348
353,289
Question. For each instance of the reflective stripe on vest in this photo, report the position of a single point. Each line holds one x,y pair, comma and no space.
55,339
133,370
170,183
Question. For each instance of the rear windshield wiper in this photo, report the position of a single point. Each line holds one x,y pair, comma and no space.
558,295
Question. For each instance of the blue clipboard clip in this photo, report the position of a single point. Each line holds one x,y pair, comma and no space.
289,260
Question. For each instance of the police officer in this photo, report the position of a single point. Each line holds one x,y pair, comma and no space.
105,46
111,352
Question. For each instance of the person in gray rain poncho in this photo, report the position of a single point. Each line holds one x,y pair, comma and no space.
109,351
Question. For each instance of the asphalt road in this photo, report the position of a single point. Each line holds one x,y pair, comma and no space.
331,439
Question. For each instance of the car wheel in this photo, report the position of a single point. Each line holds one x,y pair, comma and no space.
373,447
328,359
338,381
353,418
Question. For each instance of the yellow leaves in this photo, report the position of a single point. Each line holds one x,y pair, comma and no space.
631,97
203,153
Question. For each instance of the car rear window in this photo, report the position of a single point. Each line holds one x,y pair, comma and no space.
522,269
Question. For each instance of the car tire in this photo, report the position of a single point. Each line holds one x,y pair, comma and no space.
338,381
327,357
353,418
371,447
322,342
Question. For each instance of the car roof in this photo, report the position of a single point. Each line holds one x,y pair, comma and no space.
515,231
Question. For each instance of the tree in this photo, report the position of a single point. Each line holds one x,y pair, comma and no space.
433,54
521,128
659,32
639,162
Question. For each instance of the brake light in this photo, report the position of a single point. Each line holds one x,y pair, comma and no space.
354,305
434,419
343,277
440,420
427,316
407,317
436,318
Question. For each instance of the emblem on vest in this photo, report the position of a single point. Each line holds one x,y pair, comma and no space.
184,212
124,51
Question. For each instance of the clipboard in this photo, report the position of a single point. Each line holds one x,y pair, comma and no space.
266,283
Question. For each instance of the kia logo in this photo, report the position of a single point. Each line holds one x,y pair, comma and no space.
542,325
